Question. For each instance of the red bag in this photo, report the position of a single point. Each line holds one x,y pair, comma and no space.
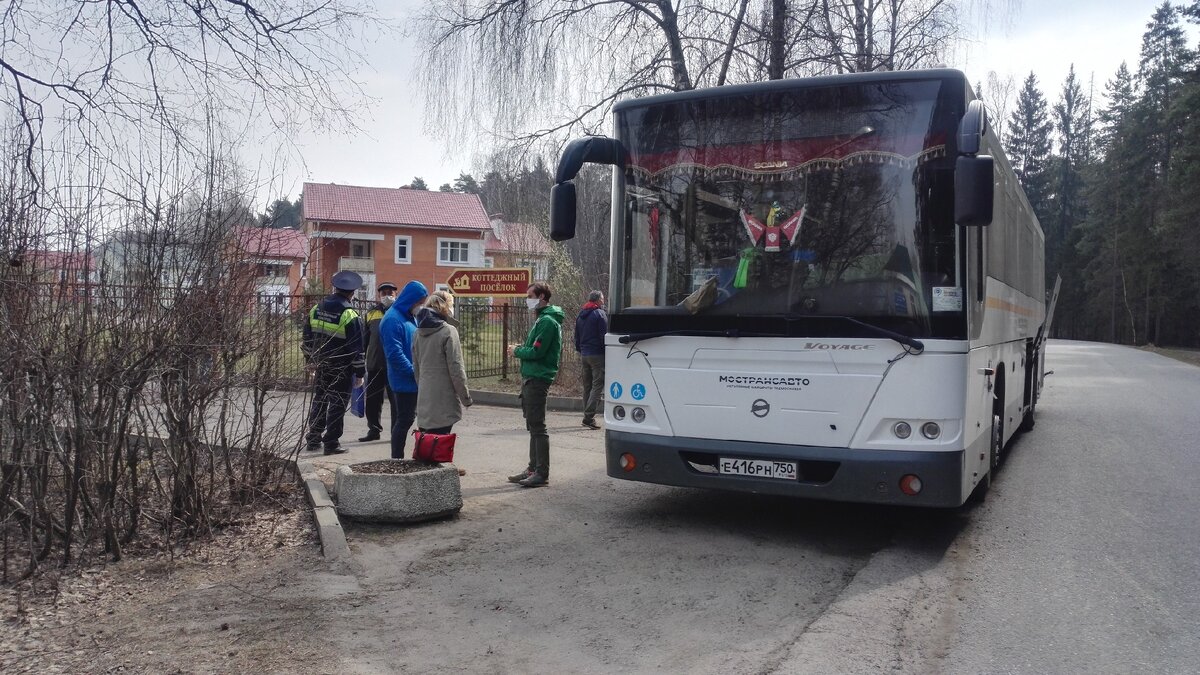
433,447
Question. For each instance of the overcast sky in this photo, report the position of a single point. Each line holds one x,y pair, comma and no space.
1045,36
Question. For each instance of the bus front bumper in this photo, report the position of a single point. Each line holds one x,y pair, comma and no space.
839,474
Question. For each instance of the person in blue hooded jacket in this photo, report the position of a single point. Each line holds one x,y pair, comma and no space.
396,332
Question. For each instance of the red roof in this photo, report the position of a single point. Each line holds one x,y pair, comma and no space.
61,260
267,242
393,206
518,238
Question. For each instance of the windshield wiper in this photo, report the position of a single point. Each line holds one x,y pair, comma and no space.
882,332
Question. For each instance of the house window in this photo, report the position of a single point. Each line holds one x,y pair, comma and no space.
489,261
360,248
441,287
454,251
403,249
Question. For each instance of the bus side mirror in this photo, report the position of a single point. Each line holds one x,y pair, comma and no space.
972,128
974,185
974,190
562,211
590,150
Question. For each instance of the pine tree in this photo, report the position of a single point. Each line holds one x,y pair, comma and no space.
1109,236
1121,93
1072,122
1164,59
1029,146
1180,236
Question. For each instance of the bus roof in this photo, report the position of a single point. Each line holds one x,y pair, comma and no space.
795,83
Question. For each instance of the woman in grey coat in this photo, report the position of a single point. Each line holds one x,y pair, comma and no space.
442,393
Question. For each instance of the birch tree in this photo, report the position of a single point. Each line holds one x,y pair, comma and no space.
526,70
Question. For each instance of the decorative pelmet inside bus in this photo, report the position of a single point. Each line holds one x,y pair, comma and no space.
651,172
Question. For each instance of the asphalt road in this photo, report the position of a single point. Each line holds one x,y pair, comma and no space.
1085,557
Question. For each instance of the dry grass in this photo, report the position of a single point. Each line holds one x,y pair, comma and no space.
1191,356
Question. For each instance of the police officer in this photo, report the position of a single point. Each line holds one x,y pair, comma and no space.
333,343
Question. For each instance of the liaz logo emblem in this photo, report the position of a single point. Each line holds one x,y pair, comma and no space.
760,408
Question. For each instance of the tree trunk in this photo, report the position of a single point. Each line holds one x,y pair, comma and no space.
670,26
733,36
778,37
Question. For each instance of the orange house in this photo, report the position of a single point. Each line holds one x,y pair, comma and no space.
391,234
274,260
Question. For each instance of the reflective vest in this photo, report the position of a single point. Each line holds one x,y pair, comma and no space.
333,336
324,323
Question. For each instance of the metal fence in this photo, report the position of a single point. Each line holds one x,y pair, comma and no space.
485,330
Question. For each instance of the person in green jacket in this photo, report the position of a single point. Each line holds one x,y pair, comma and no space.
539,366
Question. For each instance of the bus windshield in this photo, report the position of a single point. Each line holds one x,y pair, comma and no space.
811,202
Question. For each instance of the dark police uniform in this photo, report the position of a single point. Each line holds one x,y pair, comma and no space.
333,341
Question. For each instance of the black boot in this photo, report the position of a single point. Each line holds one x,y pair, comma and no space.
535,479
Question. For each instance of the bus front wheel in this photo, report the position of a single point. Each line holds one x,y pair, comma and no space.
981,488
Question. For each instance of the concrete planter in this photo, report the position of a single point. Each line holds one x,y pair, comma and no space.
397,491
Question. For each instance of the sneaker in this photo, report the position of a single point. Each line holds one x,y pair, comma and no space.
591,424
312,447
535,479
371,436
335,450
521,476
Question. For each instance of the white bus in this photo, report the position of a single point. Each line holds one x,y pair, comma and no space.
831,288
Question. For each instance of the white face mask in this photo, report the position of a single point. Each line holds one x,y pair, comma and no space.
532,303
387,300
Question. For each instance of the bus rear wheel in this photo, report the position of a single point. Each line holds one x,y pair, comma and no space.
1028,420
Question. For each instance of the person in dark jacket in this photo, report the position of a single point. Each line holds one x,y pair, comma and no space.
590,328
397,331
333,345
377,382
539,366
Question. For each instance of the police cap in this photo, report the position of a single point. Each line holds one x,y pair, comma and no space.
388,286
347,281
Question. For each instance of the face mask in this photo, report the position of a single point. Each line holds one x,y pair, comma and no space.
387,300
532,303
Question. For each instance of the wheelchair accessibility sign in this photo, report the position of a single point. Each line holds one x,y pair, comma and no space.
638,392
615,390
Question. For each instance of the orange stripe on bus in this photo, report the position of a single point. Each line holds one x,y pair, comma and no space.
997,303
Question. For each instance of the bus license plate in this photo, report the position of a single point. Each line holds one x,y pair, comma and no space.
758,468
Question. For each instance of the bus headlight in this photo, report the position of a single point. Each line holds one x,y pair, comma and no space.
619,412
638,415
902,430
931,430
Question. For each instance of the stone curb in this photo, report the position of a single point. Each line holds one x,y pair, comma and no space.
329,528
557,403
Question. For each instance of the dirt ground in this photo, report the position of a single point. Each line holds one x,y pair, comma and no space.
1191,356
229,604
